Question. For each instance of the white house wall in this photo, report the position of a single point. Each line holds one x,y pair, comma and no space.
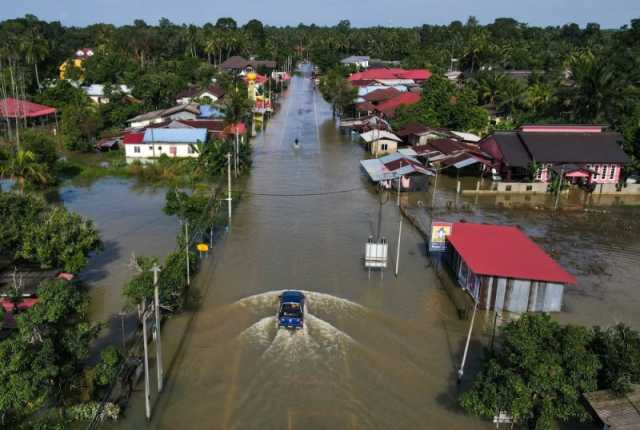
147,150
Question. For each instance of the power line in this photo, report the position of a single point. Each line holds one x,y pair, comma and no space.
327,193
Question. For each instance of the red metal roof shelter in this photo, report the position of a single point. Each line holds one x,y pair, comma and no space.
14,108
503,251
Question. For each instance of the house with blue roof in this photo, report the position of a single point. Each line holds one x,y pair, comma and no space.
172,142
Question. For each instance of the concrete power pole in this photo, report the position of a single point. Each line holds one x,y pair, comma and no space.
229,183
398,248
147,403
156,293
466,346
186,247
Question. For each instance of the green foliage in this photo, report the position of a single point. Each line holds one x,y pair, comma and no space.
62,94
172,280
541,369
443,104
337,91
537,374
43,357
618,349
80,125
237,106
24,168
109,366
47,235
213,157
158,89
60,239
87,411
42,145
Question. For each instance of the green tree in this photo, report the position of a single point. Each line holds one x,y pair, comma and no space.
42,360
60,239
537,374
23,167
42,145
80,125
618,349
443,104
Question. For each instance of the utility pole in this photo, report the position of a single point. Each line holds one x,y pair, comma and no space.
237,157
156,295
399,185
466,347
435,187
398,248
555,206
147,403
229,183
186,247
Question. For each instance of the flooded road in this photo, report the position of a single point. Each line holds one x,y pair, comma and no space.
374,353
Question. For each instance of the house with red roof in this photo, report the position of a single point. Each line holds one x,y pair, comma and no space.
388,107
418,76
16,108
502,269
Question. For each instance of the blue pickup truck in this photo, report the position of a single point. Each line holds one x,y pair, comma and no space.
291,310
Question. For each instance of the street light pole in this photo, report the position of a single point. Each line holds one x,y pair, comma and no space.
156,294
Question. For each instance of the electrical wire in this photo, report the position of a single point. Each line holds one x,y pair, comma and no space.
326,193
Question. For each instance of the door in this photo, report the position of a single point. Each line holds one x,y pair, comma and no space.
173,151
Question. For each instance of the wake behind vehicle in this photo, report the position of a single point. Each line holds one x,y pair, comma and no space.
291,310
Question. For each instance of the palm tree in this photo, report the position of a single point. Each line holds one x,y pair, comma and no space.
35,49
22,167
488,85
596,87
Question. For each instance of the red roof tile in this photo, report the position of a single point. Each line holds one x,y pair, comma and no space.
133,138
381,95
495,250
392,73
404,99
13,108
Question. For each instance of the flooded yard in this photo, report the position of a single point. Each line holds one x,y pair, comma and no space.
130,220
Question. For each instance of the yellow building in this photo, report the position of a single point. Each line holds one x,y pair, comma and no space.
77,63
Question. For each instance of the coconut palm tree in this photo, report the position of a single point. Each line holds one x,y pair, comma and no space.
22,167
596,88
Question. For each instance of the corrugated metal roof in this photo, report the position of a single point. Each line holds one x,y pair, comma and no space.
175,135
373,135
497,250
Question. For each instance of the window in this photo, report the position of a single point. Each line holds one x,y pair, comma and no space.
612,172
529,187
136,149
604,171
150,147
508,188
384,147
190,150
159,148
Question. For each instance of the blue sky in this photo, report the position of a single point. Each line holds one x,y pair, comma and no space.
609,13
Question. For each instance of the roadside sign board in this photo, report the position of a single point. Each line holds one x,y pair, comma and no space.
439,232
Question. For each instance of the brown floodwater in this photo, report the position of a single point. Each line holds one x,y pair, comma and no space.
130,220
375,353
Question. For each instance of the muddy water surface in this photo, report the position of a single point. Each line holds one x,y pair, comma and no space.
375,353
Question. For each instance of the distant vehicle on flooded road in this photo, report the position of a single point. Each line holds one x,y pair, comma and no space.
291,310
